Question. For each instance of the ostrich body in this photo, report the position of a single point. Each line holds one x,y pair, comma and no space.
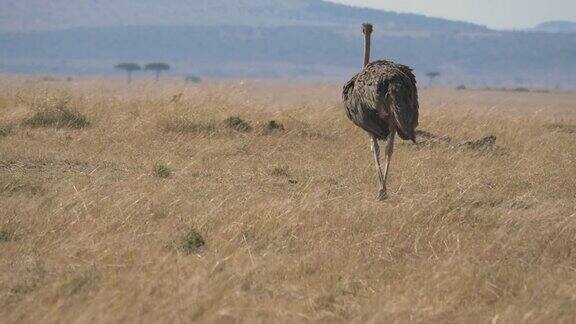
382,100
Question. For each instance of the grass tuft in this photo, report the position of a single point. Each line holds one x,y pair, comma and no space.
5,130
184,125
273,127
7,235
238,124
191,241
483,143
281,171
162,171
57,118
52,110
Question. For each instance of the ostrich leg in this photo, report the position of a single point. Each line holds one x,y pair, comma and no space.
381,179
389,151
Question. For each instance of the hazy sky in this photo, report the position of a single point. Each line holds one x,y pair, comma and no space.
506,14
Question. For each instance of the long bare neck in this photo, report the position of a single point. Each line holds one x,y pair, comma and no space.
367,44
367,30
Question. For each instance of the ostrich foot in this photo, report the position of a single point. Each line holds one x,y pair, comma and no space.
382,195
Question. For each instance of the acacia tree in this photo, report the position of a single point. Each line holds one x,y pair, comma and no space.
157,68
432,76
129,68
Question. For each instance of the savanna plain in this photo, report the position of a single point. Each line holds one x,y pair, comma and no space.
255,201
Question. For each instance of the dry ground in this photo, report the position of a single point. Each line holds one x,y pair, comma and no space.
133,204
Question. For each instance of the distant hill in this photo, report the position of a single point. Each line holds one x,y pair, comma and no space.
557,27
38,15
270,38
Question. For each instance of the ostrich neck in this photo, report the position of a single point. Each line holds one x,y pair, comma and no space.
366,48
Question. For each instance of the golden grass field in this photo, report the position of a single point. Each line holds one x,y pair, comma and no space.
158,208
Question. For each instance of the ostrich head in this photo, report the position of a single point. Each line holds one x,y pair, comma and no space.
367,28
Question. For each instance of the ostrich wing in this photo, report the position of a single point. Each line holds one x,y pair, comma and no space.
361,105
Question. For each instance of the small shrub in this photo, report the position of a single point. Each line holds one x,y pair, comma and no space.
461,87
187,126
273,127
162,171
238,124
191,241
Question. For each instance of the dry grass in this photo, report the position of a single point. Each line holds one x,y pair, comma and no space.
283,226
52,110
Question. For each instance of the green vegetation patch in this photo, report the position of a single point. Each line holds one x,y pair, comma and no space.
191,241
162,171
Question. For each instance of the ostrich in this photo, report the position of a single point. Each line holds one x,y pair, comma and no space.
382,100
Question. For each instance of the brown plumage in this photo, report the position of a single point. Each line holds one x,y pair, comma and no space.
383,96
382,100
